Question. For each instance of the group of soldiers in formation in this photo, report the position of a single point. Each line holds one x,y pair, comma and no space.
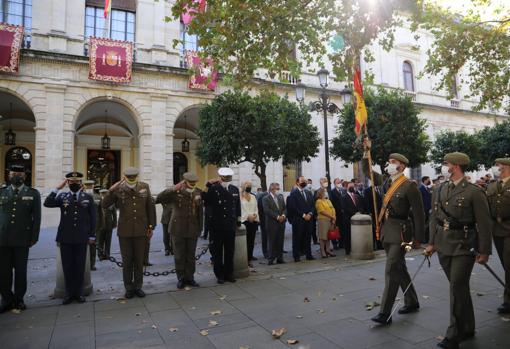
464,221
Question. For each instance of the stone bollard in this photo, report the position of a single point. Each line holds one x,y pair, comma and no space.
362,245
60,288
241,254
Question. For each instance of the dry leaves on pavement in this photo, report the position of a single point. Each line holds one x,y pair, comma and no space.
204,332
292,341
215,312
278,332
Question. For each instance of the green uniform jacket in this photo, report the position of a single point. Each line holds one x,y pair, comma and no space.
20,217
405,202
499,204
137,211
187,211
467,204
107,219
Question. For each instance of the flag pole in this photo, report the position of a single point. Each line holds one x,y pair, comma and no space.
374,195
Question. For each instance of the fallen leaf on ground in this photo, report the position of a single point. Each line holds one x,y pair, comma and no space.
173,329
333,299
16,311
187,288
278,332
306,300
244,347
321,311
439,338
204,332
138,314
292,341
283,278
371,305
223,298
372,278
506,319
192,308
299,317
154,326
215,312
480,294
425,297
213,323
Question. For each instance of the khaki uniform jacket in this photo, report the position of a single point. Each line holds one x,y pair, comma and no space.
407,201
499,204
467,204
137,211
187,211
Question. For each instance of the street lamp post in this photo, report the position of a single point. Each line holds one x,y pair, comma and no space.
325,106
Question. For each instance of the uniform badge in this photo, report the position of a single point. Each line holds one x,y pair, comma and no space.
446,225
65,204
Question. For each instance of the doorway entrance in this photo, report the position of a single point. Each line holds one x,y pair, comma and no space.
103,166
180,166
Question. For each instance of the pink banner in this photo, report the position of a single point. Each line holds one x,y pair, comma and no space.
189,14
11,38
204,76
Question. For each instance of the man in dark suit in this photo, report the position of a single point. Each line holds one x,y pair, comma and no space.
351,203
263,231
20,221
300,207
426,196
225,205
76,230
336,200
275,218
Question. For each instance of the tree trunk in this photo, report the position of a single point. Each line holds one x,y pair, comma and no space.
260,171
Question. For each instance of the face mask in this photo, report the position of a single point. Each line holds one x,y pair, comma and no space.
131,181
309,186
351,190
391,169
248,189
190,190
445,172
224,184
132,186
89,191
190,186
16,181
74,187
303,185
496,171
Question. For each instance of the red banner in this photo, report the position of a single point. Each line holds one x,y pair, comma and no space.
204,76
11,38
110,60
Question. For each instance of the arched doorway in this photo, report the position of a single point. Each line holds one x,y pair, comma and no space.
106,141
180,166
19,156
17,135
185,130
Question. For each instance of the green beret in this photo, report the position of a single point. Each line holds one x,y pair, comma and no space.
457,158
190,177
399,157
503,161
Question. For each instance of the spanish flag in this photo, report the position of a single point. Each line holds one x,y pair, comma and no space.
107,8
360,113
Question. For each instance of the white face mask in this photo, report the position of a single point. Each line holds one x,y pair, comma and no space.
496,171
189,190
89,191
445,171
132,186
309,186
225,184
391,169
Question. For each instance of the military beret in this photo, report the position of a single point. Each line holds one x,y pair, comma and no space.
17,168
101,191
457,158
503,161
74,176
399,157
190,177
131,171
225,172
89,182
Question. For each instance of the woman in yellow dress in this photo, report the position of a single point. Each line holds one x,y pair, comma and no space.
326,220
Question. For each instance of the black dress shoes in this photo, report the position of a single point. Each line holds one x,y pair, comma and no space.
129,294
230,279
382,319
448,344
408,309
280,261
93,268
310,258
80,299
20,305
297,260
5,307
167,253
67,300
270,262
504,308
193,283
140,293
180,284
221,281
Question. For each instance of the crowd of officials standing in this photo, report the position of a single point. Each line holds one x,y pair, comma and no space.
458,220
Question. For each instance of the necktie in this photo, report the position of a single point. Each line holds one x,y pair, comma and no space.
304,194
74,197
276,202
16,191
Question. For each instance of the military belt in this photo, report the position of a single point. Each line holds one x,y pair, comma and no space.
448,224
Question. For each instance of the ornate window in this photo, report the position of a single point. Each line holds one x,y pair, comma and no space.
120,25
407,70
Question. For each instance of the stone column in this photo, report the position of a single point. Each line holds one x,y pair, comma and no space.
60,288
241,254
362,244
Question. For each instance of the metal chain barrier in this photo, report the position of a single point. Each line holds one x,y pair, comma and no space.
147,273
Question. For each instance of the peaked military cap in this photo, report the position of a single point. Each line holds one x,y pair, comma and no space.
131,171
190,177
17,168
399,157
74,176
89,182
225,172
503,161
457,158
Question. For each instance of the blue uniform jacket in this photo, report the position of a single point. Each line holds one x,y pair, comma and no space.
77,218
225,206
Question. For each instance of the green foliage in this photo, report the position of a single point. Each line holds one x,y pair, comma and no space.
393,126
244,35
473,46
450,141
236,127
494,143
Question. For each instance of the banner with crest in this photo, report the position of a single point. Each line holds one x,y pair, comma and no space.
203,77
11,38
110,60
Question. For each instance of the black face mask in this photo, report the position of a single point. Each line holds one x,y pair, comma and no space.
351,190
303,184
248,189
17,181
74,187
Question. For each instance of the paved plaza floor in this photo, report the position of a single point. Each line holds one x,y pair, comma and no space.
321,304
